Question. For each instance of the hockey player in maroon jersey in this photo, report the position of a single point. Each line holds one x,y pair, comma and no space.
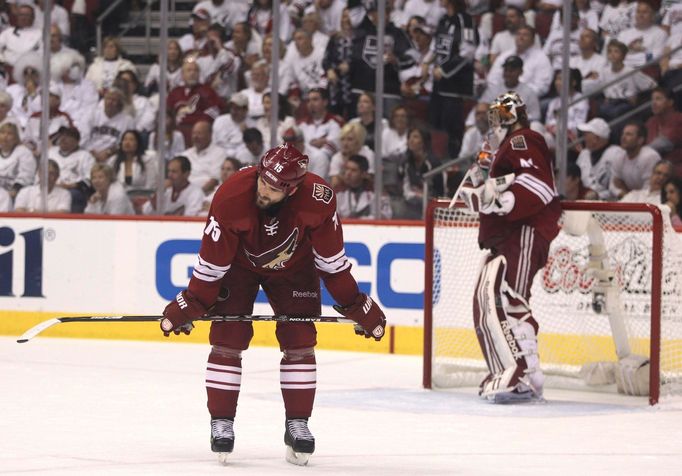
519,211
274,226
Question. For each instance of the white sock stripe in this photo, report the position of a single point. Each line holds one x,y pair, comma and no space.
298,367
298,377
234,388
224,377
289,386
227,368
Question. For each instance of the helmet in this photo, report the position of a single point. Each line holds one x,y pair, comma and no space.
283,167
504,112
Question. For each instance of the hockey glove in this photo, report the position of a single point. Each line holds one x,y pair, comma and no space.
179,314
370,319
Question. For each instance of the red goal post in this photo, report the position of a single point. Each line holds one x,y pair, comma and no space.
646,256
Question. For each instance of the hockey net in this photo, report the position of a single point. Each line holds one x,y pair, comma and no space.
645,254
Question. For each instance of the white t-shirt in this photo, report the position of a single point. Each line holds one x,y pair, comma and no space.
598,176
16,42
554,46
653,40
634,172
537,70
18,167
337,162
628,87
505,40
228,134
106,131
431,11
328,129
58,200
577,113
673,18
73,167
392,143
673,42
117,203
594,64
616,19
187,202
140,179
205,163
5,201
643,195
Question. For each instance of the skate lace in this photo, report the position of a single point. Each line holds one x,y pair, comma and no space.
222,428
299,429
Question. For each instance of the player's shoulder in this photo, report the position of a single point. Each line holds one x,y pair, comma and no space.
315,195
235,197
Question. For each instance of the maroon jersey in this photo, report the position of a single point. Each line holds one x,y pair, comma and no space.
193,104
525,154
301,234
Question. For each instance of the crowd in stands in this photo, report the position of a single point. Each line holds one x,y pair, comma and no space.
445,60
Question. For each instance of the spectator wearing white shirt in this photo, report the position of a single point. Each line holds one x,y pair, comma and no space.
352,143
74,165
246,43
632,169
134,169
577,113
321,128
311,23
219,66
79,96
430,10
110,197
56,117
651,192
645,40
394,137
206,158
318,163
504,39
590,64
6,103
623,95
260,79
17,164
143,111
57,46
104,69
554,44
25,91
228,129
474,137
537,69
588,17
173,69
224,12
597,156
252,150
108,123
330,12
5,201
29,199
16,42
284,121
181,197
617,16
355,194
229,167
199,24
304,69
672,18
671,66
59,17
174,141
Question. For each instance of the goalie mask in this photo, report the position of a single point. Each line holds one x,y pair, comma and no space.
505,111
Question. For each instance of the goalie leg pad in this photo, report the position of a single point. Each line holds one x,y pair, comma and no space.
507,336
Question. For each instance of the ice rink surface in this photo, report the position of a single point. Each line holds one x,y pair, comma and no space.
115,407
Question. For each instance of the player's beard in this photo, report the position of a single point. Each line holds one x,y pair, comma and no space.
263,202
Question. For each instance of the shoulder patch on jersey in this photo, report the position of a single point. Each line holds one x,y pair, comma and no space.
518,143
322,193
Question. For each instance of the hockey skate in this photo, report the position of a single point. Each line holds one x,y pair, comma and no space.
222,438
300,442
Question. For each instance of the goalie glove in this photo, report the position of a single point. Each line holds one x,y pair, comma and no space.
490,197
179,314
371,322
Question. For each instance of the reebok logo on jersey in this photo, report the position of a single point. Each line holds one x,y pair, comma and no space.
322,193
212,229
304,294
519,143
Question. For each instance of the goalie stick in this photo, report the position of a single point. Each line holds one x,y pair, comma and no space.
37,329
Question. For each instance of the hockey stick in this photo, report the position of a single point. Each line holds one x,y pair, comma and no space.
37,329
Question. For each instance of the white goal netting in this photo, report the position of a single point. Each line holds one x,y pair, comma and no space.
572,335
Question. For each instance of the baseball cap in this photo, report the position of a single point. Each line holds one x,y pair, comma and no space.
596,126
513,62
201,14
292,134
239,100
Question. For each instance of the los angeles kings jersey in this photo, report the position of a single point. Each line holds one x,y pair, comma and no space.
525,154
302,235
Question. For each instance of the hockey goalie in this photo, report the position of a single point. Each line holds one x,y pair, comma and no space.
519,211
